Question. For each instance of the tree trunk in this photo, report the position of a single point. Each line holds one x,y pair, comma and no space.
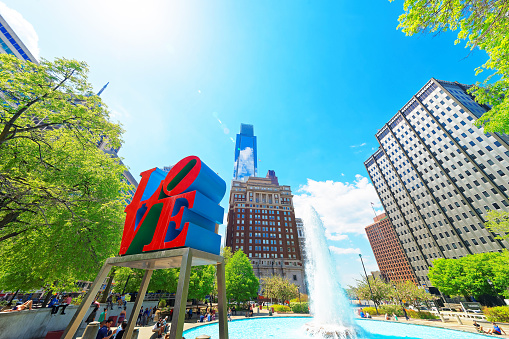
108,287
47,298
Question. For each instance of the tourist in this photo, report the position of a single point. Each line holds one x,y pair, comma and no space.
496,330
361,313
387,317
104,331
190,312
158,328
91,316
140,316
120,333
234,310
368,315
478,327
171,314
122,316
209,317
202,318
21,307
229,314
395,316
103,314
146,314
109,301
153,313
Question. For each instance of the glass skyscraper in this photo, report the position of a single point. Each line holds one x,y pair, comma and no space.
245,154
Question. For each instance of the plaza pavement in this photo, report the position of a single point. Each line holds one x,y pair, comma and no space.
146,331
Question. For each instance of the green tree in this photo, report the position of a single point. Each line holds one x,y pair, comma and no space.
279,288
161,280
241,283
381,290
468,276
483,25
410,293
61,198
498,222
201,282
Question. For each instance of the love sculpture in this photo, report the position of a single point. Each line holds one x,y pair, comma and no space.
176,209
171,222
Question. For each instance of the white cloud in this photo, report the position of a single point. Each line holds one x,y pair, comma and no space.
23,29
339,250
360,145
335,236
344,207
246,163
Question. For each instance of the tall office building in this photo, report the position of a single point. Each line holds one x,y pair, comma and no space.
245,154
10,43
302,240
438,175
261,222
389,254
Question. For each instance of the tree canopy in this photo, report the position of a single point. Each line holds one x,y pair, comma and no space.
483,25
241,282
498,222
469,275
61,197
279,288
381,290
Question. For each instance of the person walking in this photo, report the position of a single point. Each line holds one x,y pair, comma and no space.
91,316
230,314
103,315
140,316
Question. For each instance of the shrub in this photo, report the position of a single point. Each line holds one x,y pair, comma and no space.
420,315
162,303
499,313
300,307
281,308
382,309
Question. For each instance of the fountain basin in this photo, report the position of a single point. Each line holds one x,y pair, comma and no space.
294,328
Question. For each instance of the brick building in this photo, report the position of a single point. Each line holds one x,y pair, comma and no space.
389,254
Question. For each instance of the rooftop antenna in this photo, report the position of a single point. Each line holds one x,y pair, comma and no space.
102,89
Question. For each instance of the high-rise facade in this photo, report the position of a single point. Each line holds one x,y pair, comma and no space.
302,240
261,222
10,43
245,154
389,254
437,175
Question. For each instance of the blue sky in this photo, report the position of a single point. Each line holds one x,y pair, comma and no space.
316,79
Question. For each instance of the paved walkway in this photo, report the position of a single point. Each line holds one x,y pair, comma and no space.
146,331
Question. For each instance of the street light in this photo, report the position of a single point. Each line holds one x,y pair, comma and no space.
400,303
369,285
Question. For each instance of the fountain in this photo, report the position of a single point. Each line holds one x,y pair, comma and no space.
332,314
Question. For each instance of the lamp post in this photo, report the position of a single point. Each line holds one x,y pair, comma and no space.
400,303
369,285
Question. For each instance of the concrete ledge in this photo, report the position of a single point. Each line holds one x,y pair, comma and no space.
34,324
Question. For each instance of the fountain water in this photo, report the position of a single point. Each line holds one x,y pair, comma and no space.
332,314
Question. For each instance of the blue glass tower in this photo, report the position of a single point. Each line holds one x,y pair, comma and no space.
245,154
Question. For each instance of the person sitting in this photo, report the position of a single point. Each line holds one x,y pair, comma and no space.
104,331
158,328
202,317
21,307
478,327
395,316
361,313
368,315
496,330
120,333
209,317
387,317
